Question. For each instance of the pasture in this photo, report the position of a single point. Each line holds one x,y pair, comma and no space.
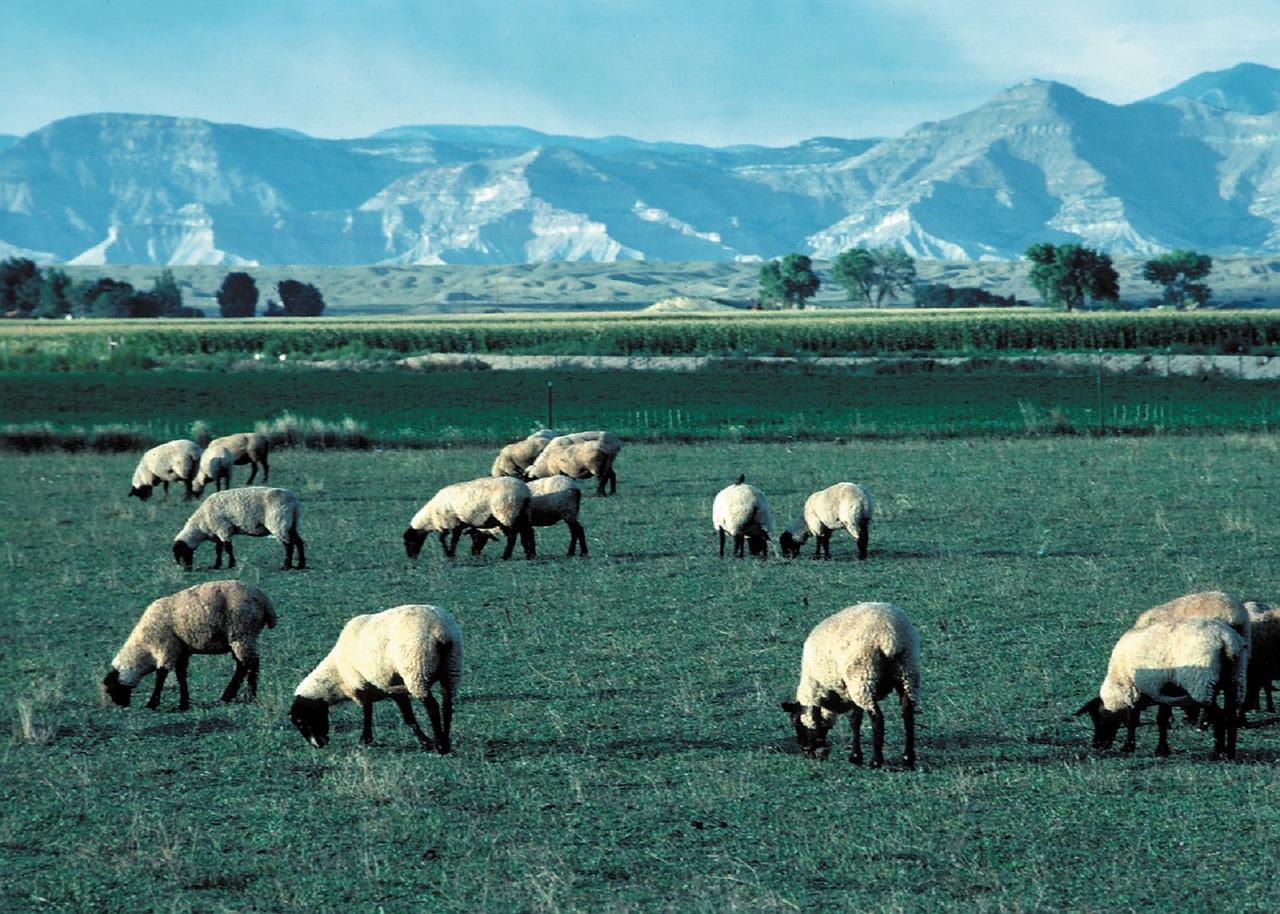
618,741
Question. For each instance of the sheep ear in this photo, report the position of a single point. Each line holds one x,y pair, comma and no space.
1092,707
792,707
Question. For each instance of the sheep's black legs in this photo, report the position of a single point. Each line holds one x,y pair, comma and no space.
295,542
366,710
877,737
739,545
723,537
855,722
909,728
180,670
1131,730
406,711
154,701
863,536
578,536
1163,717
527,541
265,470
439,724
244,668
253,471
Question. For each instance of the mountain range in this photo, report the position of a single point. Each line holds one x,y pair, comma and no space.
1197,166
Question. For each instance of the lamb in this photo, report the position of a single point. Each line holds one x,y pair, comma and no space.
400,654
216,617
1264,652
215,467
250,448
554,499
851,661
741,511
844,504
490,501
253,511
518,456
1183,662
580,455
173,461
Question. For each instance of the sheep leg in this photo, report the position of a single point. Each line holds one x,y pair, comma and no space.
265,470
527,542
1131,730
231,555
863,536
723,537
855,723
295,542
180,670
909,727
365,701
439,725
454,535
246,667
510,547
739,545
877,736
406,711
1163,717
578,536
253,471
153,703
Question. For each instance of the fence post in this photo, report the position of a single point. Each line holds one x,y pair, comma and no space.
550,417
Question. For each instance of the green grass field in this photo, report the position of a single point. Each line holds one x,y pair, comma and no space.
618,741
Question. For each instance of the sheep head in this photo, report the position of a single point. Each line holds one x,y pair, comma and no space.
1106,724
758,544
140,492
184,555
311,717
789,546
812,727
413,540
114,689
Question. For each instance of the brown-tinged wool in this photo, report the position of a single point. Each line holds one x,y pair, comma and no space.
215,467
247,447
515,458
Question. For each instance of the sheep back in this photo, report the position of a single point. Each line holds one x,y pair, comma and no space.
741,511
860,654
1187,653
581,455
1213,604
515,458
173,461
485,502
215,467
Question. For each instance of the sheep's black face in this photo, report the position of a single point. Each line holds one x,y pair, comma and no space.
1106,724
140,492
787,545
311,717
184,555
812,727
115,690
758,545
413,540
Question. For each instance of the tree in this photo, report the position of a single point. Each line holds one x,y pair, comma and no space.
109,298
1179,272
872,276
19,286
238,295
55,294
1068,274
164,288
790,281
300,299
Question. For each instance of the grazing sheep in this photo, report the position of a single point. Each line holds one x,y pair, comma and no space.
554,499
215,467
842,505
742,512
491,501
852,660
518,456
173,461
580,455
253,511
216,617
1264,652
398,654
1183,662
250,448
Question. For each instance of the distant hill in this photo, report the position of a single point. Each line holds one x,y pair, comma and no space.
1194,167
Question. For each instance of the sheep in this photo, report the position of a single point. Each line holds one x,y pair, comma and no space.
253,511
1183,662
580,455
742,512
851,661
518,456
216,617
250,448
215,467
490,501
844,504
554,499
398,654
1264,652
173,461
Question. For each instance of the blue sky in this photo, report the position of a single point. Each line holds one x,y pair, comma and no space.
706,71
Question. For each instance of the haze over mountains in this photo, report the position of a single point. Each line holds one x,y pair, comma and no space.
1197,166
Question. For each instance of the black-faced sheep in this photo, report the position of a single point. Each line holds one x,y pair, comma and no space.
741,511
173,461
852,660
216,617
252,511
515,458
215,467
247,447
491,501
398,654
554,499
581,455
844,504
1264,652
1184,663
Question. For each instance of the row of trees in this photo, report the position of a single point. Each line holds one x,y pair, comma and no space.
26,291
1066,276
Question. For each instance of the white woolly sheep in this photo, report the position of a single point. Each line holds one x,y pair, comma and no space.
398,654
554,499
852,660
1264,652
216,617
581,455
173,461
1184,662
250,448
844,504
741,511
253,511
215,467
490,501
518,456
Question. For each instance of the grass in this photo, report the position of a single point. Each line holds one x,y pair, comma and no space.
619,745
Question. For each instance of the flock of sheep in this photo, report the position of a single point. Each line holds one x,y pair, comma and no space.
1181,653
